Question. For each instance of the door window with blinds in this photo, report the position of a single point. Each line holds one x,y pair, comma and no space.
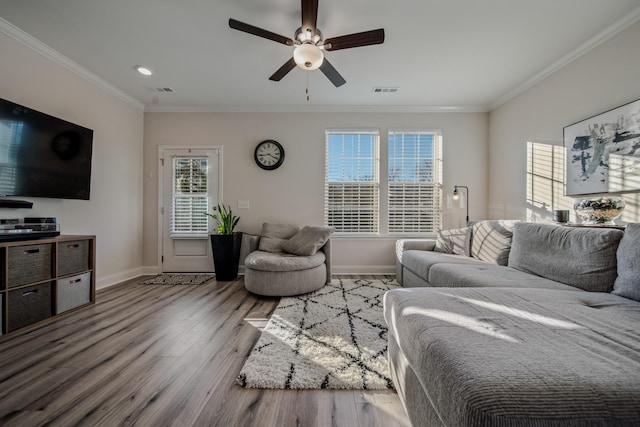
415,181
352,181
190,195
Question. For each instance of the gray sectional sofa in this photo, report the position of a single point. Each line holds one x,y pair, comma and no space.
518,324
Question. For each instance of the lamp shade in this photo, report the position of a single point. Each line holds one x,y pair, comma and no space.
308,56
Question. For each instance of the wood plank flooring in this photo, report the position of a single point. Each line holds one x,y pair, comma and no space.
164,356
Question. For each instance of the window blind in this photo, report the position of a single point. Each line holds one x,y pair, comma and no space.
352,181
415,181
545,180
190,199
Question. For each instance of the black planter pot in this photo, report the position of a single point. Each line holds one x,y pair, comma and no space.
226,255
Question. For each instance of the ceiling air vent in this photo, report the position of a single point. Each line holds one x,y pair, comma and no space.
385,89
164,89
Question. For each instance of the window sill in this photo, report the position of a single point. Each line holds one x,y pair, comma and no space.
192,236
394,237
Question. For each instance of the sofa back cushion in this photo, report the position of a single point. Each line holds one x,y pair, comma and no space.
627,283
583,257
275,235
491,241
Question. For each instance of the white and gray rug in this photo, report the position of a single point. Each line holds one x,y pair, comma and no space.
334,338
179,279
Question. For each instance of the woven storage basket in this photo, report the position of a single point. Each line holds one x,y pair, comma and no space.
29,305
73,257
29,264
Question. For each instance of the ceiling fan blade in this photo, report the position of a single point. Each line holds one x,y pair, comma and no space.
283,71
241,26
365,38
309,15
331,73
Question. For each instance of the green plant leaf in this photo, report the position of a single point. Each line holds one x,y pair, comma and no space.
226,221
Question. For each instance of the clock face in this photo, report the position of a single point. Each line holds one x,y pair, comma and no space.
269,154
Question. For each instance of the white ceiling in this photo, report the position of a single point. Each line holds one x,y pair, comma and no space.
441,54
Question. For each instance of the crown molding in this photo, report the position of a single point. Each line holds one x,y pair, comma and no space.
585,47
55,56
318,109
16,33
26,39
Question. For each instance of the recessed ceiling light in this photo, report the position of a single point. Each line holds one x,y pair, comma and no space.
145,71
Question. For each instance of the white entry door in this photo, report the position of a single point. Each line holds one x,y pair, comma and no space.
190,187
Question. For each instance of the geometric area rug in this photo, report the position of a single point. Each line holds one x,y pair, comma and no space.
333,338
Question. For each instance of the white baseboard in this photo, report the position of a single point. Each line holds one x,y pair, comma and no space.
150,270
114,279
364,269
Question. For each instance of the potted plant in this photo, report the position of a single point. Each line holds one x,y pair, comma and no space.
226,244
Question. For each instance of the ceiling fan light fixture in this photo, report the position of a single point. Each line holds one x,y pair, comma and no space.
308,56
309,43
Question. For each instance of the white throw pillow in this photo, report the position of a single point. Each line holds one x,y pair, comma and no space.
455,241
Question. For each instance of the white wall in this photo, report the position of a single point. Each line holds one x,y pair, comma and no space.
114,213
604,78
120,213
294,193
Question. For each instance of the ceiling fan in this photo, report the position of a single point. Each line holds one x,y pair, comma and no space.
310,44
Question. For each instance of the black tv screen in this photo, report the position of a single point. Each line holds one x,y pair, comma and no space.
43,156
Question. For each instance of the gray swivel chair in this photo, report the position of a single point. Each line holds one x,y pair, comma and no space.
271,271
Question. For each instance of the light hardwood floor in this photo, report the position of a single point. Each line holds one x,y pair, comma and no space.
160,356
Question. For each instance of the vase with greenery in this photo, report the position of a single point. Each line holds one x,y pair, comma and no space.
226,244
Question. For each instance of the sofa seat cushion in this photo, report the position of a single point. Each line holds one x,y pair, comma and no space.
419,262
498,357
488,275
281,261
580,257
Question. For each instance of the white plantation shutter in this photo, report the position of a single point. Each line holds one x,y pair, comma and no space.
351,198
190,200
415,181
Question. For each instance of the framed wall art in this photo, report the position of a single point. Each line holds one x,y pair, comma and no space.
603,152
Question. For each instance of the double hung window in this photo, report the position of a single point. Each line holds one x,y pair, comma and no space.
415,181
545,180
413,202
352,181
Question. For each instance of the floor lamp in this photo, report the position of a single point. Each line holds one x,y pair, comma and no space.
456,196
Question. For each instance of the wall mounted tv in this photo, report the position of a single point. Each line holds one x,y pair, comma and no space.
43,156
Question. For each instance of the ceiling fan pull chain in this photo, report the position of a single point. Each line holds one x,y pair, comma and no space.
307,90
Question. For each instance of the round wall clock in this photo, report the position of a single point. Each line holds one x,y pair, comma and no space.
269,154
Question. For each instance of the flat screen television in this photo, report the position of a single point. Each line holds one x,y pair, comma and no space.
43,156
